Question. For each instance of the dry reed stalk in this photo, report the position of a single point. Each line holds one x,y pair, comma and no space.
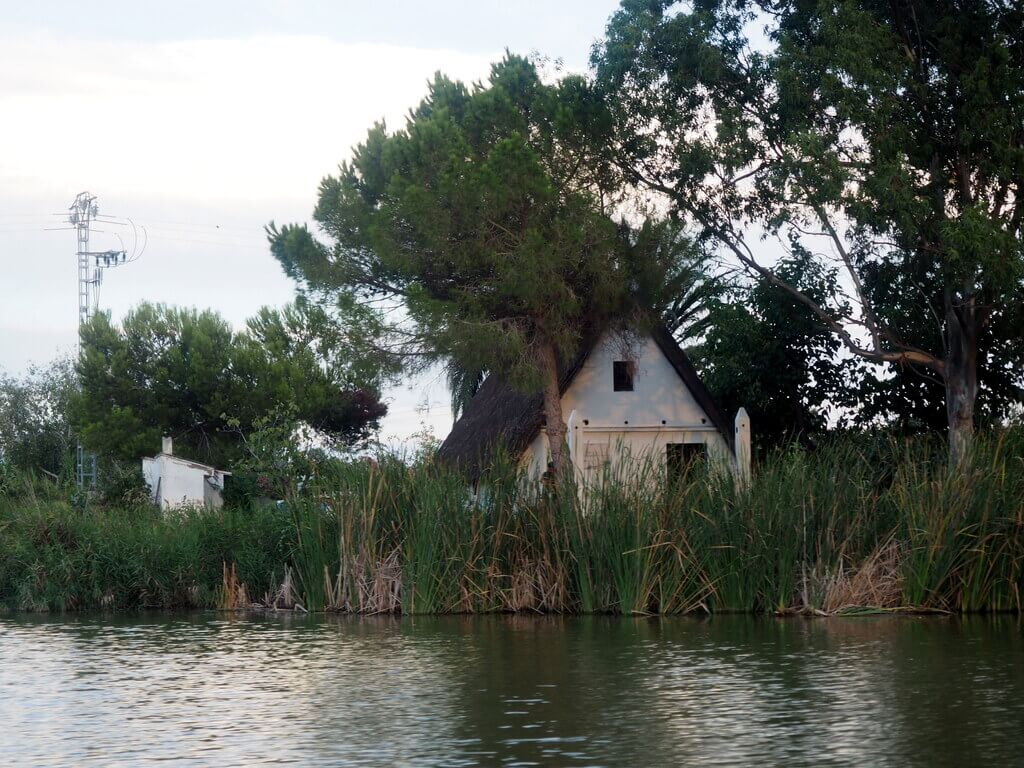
522,592
282,597
536,585
333,590
465,601
554,591
876,584
496,585
233,594
386,592
365,585
473,597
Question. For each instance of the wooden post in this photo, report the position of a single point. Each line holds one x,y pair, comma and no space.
743,472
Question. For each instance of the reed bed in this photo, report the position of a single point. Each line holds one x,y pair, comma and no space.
857,525
58,554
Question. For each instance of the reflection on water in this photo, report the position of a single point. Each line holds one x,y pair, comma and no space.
457,691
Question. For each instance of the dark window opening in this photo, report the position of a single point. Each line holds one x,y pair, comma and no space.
681,458
622,375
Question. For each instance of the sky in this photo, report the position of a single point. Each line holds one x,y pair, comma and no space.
201,122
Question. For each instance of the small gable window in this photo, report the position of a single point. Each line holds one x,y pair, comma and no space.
622,375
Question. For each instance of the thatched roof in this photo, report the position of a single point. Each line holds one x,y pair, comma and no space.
500,417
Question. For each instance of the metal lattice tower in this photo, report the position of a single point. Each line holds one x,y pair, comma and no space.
91,264
80,215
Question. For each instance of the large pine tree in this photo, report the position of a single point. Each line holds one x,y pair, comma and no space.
478,233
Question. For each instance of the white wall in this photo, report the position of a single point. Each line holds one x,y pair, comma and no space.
151,474
659,410
175,482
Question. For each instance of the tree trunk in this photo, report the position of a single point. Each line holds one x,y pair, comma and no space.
554,425
961,377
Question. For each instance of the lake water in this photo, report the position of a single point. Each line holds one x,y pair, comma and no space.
457,691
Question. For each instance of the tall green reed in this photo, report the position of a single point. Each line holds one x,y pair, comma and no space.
865,523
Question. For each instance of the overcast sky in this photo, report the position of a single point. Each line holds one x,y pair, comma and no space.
203,121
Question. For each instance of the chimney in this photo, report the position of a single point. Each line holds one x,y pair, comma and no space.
168,446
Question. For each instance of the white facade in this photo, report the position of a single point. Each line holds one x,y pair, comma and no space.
605,425
177,482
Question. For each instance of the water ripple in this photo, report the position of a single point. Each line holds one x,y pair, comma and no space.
460,691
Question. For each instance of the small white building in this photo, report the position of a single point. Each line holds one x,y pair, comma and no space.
177,482
625,394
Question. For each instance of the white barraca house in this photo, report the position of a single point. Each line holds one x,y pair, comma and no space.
626,394
177,482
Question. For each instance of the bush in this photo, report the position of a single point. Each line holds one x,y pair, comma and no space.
122,484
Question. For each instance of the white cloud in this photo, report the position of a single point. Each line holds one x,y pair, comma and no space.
209,120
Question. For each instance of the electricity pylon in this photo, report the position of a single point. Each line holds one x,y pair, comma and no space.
90,276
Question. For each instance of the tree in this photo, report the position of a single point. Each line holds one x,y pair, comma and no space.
766,352
905,400
890,133
34,429
478,234
667,277
188,374
463,384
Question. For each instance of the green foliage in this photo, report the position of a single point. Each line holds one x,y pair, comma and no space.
274,461
871,523
17,485
809,535
486,220
666,277
121,484
766,352
672,275
35,433
58,557
883,137
463,384
909,401
188,374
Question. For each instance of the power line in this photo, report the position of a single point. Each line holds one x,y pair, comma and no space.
255,244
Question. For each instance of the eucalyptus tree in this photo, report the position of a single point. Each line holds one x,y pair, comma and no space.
884,137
